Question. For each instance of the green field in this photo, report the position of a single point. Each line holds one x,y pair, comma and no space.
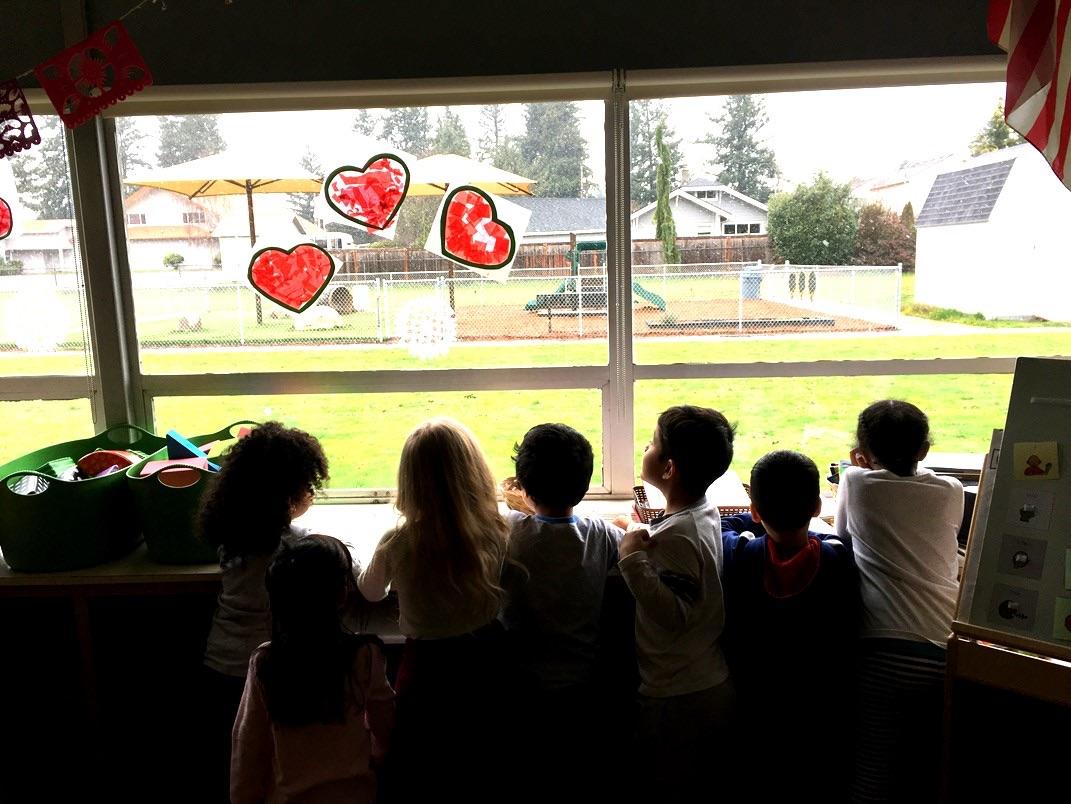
363,432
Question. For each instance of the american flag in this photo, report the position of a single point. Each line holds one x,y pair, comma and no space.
1038,102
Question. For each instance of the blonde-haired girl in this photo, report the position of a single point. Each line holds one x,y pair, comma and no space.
443,561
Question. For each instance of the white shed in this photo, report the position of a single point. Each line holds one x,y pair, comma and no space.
993,238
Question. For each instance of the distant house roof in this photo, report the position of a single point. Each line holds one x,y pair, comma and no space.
174,232
701,181
964,196
707,183
46,225
564,214
282,223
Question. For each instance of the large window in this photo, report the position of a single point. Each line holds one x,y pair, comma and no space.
363,433
46,369
819,261
883,246
392,308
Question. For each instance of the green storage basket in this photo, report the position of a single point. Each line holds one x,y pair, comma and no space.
167,513
72,524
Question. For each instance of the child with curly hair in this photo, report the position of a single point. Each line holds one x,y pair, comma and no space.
266,480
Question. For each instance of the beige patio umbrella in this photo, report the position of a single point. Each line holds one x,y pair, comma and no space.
232,172
432,174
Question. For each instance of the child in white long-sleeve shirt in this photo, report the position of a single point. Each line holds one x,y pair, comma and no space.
902,522
686,697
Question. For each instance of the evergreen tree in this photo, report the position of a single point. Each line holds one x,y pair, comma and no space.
495,145
743,163
131,147
554,151
995,135
364,123
187,137
41,175
665,228
645,116
815,224
407,129
907,217
492,132
450,135
304,204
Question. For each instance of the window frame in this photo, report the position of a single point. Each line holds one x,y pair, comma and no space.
122,393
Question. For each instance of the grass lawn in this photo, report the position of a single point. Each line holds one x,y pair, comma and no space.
363,432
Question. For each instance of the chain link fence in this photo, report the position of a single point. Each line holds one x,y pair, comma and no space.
188,310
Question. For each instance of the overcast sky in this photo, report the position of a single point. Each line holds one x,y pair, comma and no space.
853,133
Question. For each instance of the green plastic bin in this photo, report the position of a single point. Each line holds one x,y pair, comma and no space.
166,513
71,524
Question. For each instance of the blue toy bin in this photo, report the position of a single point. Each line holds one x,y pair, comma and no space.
167,511
70,524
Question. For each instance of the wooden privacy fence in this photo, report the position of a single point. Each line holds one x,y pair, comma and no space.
553,258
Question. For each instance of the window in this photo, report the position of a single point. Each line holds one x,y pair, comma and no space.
135,218
395,317
45,361
192,217
818,331
363,433
794,344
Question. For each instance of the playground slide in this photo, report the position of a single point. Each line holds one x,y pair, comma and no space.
651,298
638,290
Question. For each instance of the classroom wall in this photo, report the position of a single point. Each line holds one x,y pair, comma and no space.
210,41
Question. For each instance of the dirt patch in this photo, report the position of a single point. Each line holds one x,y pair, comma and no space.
709,317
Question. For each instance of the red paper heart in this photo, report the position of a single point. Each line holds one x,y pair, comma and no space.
372,195
471,233
293,278
5,219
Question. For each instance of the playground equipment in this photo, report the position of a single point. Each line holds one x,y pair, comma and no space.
585,294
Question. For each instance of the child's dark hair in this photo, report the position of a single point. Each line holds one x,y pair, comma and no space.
784,489
894,432
304,669
247,506
554,465
700,443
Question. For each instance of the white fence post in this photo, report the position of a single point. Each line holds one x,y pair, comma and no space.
241,314
387,328
379,307
740,301
899,289
580,301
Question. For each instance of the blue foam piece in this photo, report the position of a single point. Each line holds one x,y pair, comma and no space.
180,447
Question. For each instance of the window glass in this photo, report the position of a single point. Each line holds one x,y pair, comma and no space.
391,303
363,433
817,415
872,237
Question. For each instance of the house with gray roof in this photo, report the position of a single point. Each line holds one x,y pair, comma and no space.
701,208
554,220
704,207
992,234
